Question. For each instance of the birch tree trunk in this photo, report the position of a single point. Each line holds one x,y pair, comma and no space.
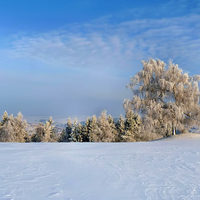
173,130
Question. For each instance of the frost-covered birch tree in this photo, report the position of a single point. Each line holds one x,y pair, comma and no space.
165,96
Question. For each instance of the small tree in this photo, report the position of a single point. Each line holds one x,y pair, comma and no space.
20,126
120,126
92,126
39,134
4,118
13,129
45,132
85,130
68,130
7,133
52,130
131,127
73,135
62,136
113,127
166,97
102,131
79,133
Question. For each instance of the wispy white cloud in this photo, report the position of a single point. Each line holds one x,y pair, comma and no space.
97,45
161,9
72,50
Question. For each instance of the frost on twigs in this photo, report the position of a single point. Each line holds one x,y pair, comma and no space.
166,98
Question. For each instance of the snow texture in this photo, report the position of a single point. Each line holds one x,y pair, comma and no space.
163,169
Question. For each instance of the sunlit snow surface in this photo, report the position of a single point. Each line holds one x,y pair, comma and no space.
165,169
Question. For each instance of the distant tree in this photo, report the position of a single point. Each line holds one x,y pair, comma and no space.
79,135
52,130
68,130
120,126
39,134
74,133
92,125
113,127
102,131
131,127
45,132
62,136
5,118
13,129
7,129
20,127
166,98
85,130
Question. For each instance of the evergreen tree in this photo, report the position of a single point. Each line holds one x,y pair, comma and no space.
120,126
4,118
52,130
102,132
132,126
63,137
74,133
6,129
113,127
68,130
45,132
85,130
13,129
79,133
39,133
20,126
4,134
92,125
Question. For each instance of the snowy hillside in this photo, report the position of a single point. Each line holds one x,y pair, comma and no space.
164,169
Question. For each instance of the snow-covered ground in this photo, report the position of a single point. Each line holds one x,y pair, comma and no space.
164,169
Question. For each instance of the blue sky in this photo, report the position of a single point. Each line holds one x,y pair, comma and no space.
75,58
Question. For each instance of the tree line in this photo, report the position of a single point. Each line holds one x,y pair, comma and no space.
165,100
101,129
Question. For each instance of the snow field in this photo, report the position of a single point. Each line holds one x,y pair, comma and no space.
163,169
